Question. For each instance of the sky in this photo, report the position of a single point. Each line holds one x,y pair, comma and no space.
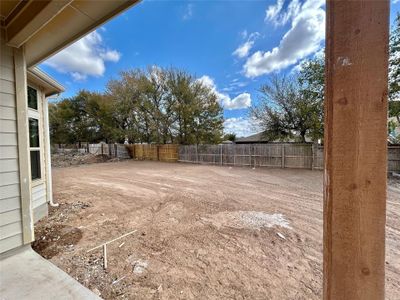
232,46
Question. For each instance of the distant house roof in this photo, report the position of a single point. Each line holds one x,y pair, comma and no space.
259,138
227,142
254,138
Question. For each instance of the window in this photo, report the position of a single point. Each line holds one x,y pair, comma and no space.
34,134
32,98
35,165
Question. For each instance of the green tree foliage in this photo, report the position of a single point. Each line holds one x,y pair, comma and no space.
394,61
286,112
230,137
296,105
197,115
394,70
311,79
153,105
79,118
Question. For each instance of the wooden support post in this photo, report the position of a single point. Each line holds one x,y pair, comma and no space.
105,256
355,149
23,145
283,156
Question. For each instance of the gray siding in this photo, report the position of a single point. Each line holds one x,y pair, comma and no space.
38,195
10,203
39,201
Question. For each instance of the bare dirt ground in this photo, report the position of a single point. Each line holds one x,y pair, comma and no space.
203,232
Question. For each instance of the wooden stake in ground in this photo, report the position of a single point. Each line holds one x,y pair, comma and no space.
104,246
105,255
355,149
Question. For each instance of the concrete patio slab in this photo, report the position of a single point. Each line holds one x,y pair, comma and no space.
24,274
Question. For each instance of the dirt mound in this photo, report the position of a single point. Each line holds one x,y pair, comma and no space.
248,219
55,239
71,158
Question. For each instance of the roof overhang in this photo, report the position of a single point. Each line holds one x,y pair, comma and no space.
47,26
49,85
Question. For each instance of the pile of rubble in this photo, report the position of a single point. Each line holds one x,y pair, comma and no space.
73,157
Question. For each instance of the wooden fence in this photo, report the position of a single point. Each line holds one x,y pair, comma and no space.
394,158
164,152
278,155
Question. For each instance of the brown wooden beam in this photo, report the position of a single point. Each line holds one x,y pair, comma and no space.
32,17
355,149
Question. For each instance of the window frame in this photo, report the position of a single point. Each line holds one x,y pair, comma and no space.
37,115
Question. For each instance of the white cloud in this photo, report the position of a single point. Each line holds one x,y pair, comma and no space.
273,10
277,16
242,100
302,39
299,67
84,58
188,12
111,55
244,49
234,85
395,1
240,126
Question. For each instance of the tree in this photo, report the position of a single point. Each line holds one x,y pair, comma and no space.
312,86
196,113
129,107
394,70
165,105
152,105
285,112
230,137
84,117
58,127
311,80
394,61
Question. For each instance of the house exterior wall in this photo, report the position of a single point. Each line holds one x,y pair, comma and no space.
11,221
10,202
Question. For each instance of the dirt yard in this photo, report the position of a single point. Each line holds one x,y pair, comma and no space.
203,232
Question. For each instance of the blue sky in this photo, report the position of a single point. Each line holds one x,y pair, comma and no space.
233,46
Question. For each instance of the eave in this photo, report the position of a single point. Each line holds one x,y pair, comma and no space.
46,27
49,85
